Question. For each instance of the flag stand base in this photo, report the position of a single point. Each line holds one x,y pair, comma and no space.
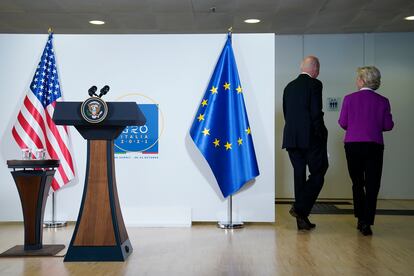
54,224
230,225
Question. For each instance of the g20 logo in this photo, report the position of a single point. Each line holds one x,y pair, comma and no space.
140,139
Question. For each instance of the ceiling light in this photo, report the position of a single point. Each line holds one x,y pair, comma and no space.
97,22
252,21
409,17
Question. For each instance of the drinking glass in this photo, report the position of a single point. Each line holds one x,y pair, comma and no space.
26,154
40,154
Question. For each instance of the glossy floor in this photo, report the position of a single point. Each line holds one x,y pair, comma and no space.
334,248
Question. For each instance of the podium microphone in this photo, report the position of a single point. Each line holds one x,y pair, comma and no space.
103,91
92,91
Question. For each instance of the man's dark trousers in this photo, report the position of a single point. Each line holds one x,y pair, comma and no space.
307,191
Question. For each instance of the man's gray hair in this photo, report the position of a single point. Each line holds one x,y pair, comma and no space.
370,75
309,62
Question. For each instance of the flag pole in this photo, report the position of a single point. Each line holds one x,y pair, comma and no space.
53,223
230,224
217,107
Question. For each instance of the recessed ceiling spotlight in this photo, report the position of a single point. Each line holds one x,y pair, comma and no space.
252,21
97,22
409,17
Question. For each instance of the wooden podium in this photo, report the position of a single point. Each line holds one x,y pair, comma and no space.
100,233
33,179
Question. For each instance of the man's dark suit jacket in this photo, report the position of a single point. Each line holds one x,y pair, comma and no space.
302,108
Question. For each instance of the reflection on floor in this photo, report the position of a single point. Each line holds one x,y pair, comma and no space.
335,247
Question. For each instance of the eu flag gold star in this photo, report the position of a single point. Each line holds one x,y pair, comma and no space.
227,145
240,141
206,131
216,143
204,103
239,89
213,90
248,131
226,86
200,117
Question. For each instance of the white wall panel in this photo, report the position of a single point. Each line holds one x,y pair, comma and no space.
173,70
289,52
394,56
340,55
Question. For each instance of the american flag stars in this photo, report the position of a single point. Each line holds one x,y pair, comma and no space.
45,81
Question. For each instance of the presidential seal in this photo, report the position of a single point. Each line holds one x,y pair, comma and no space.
94,110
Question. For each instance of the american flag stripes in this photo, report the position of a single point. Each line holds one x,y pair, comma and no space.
35,128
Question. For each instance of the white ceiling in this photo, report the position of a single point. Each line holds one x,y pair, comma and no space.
196,16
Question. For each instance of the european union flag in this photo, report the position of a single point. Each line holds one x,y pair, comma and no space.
221,128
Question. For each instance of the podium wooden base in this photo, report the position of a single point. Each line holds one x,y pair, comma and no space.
99,253
47,250
100,233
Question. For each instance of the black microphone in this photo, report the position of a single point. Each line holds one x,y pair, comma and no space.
103,91
92,91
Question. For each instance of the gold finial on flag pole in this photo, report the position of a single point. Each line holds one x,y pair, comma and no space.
50,30
230,32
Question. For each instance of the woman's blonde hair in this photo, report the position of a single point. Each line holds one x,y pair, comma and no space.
370,75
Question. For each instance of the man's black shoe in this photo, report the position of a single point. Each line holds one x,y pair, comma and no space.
302,224
293,213
311,225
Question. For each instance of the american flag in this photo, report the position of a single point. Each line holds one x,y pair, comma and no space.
35,128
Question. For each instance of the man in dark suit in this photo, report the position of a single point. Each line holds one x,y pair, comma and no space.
305,139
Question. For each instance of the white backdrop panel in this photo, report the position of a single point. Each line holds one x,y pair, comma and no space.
173,70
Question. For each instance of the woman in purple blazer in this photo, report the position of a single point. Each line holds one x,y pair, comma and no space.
365,115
